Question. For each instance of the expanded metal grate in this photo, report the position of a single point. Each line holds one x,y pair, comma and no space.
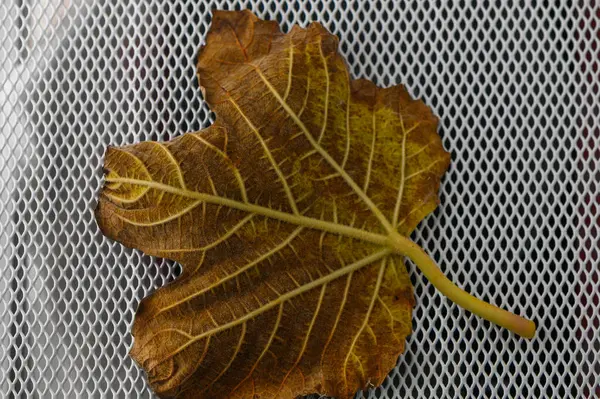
516,85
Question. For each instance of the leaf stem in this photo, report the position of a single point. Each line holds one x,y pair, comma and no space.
517,324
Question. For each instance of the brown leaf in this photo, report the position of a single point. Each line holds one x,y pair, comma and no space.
288,216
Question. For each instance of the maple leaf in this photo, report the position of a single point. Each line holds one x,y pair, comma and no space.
290,216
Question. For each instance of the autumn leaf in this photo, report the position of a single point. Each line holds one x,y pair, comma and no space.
290,216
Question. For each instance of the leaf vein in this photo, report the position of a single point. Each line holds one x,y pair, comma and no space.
386,224
160,221
230,276
265,350
230,232
228,366
285,297
367,316
228,161
372,152
326,105
269,155
306,337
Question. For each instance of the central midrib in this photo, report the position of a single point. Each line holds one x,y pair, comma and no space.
300,220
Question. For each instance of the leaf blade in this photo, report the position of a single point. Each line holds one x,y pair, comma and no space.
284,157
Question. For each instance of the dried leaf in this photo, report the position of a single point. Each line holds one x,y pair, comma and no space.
289,216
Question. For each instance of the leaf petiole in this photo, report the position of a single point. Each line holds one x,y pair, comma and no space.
517,324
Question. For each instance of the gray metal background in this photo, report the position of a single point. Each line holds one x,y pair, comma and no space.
516,85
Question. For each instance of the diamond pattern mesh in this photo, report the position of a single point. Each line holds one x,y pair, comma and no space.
515,84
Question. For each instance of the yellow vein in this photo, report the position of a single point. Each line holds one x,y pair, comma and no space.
211,183
289,77
124,200
230,276
296,283
424,170
237,351
167,376
198,136
335,211
173,161
175,330
307,154
374,257
337,320
372,153
328,177
211,317
387,308
360,364
306,337
199,264
394,267
235,170
226,141
401,222
266,348
151,363
295,251
277,293
402,172
269,155
115,186
203,225
135,158
324,124
305,101
299,220
386,223
372,333
423,148
200,360
321,239
160,221
348,99
141,165
402,169
367,316
216,242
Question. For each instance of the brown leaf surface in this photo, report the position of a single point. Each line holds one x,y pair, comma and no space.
280,214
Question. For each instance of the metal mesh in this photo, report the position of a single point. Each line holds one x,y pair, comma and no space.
515,84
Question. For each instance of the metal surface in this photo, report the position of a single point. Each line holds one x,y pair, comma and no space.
516,86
